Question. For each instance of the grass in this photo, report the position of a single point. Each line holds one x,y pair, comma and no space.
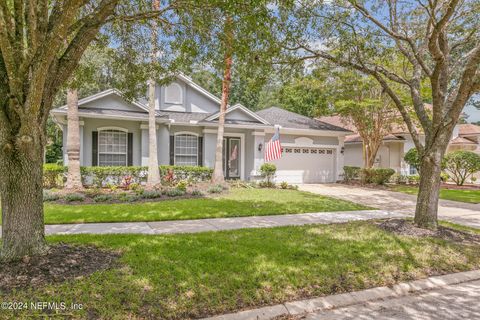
237,203
469,196
198,275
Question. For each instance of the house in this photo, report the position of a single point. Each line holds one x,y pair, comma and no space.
114,132
398,142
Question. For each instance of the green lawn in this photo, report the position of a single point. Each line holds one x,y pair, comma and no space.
237,203
470,196
197,275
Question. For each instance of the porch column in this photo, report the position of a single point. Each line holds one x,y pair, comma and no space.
340,158
259,139
144,144
81,142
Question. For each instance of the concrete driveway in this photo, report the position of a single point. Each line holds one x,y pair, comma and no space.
462,213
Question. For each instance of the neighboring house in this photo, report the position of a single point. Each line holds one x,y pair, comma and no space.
398,142
114,132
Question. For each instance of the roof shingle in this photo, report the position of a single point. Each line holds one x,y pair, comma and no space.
288,119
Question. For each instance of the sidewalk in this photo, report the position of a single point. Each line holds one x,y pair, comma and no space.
201,225
452,296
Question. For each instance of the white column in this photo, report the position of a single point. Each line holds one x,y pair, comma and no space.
144,144
340,158
259,139
81,142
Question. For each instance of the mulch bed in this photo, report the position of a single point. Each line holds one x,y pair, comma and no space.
63,262
407,228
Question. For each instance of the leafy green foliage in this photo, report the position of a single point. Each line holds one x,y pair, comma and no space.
74,197
378,176
267,171
412,158
115,176
351,173
461,164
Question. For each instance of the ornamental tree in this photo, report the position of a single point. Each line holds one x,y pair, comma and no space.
461,164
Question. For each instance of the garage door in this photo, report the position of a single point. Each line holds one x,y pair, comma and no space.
306,165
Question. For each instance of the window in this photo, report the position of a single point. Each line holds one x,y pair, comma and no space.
173,94
112,148
186,150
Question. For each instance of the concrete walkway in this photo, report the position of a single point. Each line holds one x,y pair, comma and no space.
462,213
201,225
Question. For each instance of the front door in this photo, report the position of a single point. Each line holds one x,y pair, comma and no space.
231,158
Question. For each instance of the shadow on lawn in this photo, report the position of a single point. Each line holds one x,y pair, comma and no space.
190,276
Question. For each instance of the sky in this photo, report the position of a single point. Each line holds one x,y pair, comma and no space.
473,113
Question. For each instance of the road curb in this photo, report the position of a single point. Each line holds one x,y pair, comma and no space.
347,299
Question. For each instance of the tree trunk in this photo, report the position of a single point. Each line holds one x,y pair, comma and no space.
217,175
22,198
74,177
153,178
429,189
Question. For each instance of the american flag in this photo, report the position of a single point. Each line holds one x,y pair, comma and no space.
273,148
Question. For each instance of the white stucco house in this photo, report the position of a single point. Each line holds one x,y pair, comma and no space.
114,131
398,142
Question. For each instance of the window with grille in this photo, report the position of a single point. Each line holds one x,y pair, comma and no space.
112,148
186,150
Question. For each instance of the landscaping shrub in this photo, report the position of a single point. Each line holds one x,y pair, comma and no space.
182,185
125,177
398,178
125,197
50,196
71,197
103,198
414,179
215,189
284,185
461,164
351,173
53,175
197,193
378,176
151,194
267,171
411,157
175,192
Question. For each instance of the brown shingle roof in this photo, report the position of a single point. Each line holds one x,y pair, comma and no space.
468,129
460,140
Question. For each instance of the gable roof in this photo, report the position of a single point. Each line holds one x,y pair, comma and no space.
240,107
468,129
288,119
460,140
106,93
197,87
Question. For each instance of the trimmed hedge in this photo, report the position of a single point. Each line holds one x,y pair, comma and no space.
54,175
351,173
376,175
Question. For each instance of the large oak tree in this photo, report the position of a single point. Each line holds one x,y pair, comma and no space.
41,43
433,41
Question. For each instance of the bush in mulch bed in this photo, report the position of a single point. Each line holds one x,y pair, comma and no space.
407,228
62,263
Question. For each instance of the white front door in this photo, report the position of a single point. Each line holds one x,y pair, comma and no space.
306,165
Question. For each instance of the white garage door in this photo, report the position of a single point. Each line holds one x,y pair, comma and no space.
306,165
